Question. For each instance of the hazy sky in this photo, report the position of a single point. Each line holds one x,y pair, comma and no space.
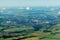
7,3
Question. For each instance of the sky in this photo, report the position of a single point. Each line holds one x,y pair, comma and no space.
21,3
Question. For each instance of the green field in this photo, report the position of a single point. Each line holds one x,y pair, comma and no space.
28,33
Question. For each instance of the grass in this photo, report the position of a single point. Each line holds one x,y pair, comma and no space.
35,35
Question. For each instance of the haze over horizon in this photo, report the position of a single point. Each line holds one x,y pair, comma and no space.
30,3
